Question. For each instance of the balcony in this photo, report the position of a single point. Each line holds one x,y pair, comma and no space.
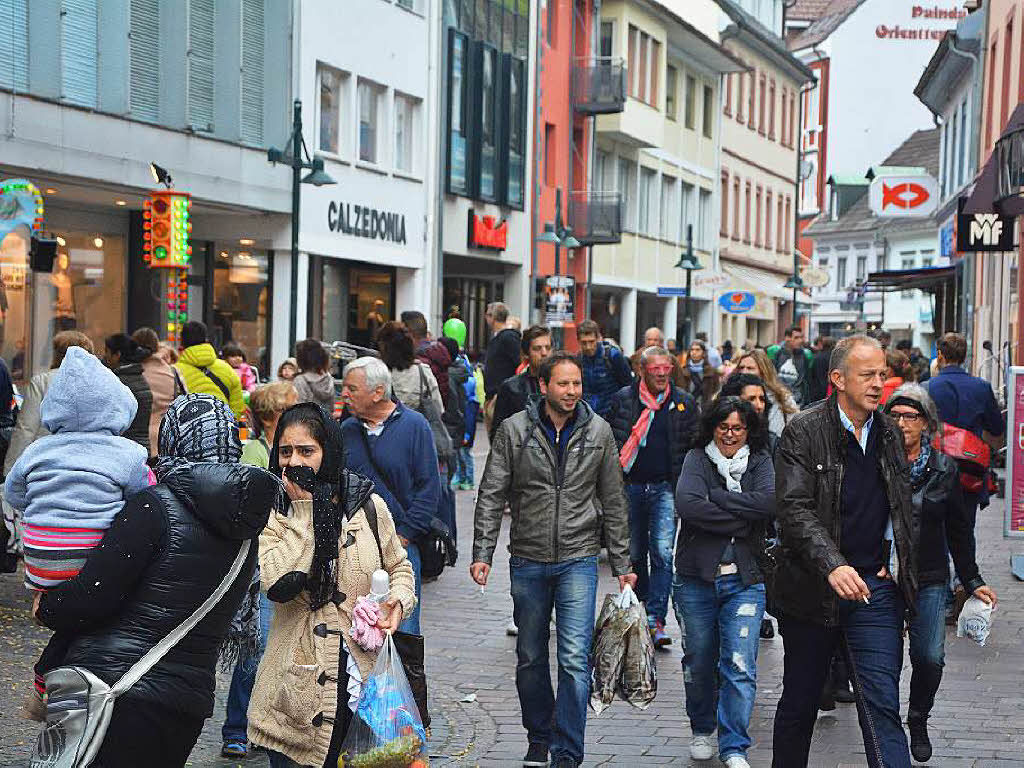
599,86
596,217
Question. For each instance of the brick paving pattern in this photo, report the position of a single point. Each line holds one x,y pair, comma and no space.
978,720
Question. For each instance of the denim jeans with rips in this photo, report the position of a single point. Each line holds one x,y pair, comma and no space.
652,536
570,588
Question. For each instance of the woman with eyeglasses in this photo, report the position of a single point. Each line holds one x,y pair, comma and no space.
724,498
945,526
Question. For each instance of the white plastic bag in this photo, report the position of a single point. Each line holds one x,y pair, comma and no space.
975,620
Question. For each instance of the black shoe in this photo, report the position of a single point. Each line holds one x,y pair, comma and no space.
920,744
536,756
839,680
826,703
767,629
843,695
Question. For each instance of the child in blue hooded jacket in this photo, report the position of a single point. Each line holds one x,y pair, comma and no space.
72,482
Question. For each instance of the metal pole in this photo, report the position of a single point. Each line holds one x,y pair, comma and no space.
685,342
296,182
558,334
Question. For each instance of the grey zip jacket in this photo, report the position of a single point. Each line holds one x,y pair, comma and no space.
554,515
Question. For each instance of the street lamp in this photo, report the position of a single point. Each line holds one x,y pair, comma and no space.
296,155
689,262
560,236
795,282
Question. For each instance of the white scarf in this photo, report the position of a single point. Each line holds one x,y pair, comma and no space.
732,469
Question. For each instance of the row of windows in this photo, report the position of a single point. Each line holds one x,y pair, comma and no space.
908,260
955,161
752,97
750,210
353,124
690,92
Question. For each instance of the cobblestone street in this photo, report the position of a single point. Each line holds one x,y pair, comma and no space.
978,720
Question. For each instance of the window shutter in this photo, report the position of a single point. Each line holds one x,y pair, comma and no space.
253,30
78,43
14,27
144,48
200,64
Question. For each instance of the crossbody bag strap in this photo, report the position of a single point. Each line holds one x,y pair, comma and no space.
220,384
158,651
370,510
423,382
376,468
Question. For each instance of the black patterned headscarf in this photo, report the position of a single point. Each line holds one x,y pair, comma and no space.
196,428
328,494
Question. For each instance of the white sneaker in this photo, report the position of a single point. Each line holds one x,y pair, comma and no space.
512,630
702,747
736,761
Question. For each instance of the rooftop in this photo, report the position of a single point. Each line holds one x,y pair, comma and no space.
827,22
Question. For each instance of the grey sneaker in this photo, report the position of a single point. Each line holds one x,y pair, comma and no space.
702,747
736,761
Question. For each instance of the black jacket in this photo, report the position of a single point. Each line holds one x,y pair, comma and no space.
130,375
502,360
684,416
809,467
513,396
818,380
939,503
712,516
164,554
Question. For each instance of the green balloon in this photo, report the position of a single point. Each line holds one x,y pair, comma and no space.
455,329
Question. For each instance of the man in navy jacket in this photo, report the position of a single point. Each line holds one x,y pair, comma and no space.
605,368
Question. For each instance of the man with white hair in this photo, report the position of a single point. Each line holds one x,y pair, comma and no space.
392,445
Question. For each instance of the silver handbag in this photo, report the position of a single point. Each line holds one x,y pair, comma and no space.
79,705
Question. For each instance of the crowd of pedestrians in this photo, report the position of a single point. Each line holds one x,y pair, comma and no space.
732,485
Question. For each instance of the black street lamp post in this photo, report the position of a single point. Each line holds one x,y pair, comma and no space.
296,155
690,263
559,236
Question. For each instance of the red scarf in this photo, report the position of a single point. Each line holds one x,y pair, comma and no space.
638,436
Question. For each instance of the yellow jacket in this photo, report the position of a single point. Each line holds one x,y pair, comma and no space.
191,364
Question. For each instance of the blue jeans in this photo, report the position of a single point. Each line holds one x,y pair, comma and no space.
927,647
652,534
722,621
571,589
464,467
242,680
411,623
871,637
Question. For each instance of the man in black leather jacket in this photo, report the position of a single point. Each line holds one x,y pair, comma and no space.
516,392
847,570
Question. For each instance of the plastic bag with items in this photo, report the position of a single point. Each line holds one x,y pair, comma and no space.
386,730
622,657
975,620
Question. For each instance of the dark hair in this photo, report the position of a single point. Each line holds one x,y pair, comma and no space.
827,342
903,345
727,346
311,356
193,332
231,349
737,382
451,345
953,347
146,337
900,364
127,347
416,323
588,328
720,410
793,329
531,333
557,359
397,348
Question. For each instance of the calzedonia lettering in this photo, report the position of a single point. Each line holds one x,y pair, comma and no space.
364,221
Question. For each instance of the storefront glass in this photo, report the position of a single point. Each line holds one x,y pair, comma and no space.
605,310
240,301
471,296
349,302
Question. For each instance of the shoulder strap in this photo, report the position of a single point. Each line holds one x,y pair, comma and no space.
158,651
376,468
220,384
179,384
370,510
423,381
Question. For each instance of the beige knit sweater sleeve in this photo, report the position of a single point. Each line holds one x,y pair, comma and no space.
286,544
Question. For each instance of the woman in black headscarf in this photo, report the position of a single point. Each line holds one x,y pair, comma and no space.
317,557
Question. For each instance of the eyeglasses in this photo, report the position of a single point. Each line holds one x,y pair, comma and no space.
736,429
910,418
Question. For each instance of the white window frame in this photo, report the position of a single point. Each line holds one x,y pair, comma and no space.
343,103
412,106
379,126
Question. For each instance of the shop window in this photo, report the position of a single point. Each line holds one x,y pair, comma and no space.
516,126
332,98
487,133
407,110
370,303
458,134
240,296
370,95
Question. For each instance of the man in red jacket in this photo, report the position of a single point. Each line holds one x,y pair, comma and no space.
429,351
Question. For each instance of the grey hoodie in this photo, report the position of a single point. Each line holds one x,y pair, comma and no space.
80,474
316,388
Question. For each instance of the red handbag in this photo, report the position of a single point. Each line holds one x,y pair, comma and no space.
971,453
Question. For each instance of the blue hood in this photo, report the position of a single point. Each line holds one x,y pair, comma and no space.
85,396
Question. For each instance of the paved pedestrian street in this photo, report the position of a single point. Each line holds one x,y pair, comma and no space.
978,719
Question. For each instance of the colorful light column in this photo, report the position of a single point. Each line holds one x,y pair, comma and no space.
166,231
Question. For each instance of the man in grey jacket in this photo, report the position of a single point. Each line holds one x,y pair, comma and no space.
551,463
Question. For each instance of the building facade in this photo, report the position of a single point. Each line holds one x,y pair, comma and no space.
760,131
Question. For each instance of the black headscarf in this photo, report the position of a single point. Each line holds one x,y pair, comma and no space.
328,493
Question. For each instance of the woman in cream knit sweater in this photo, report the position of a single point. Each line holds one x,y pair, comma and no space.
316,559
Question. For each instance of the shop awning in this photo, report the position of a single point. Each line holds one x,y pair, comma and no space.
930,279
983,198
747,279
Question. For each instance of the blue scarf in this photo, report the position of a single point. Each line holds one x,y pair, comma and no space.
918,466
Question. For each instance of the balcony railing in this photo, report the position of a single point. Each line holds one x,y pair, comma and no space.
596,217
599,86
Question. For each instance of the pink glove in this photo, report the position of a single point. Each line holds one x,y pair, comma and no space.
365,631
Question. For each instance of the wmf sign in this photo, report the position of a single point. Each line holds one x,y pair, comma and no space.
983,231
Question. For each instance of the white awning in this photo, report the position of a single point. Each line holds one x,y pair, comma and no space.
764,283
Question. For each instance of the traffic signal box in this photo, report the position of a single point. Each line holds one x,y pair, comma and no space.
166,230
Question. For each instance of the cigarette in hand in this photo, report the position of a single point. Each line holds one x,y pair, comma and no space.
866,601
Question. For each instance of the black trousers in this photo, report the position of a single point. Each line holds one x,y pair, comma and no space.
142,734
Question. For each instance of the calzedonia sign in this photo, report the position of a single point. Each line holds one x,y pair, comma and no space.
364,221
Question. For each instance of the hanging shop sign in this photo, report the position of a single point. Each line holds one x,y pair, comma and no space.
364,221
1014,520
912,196
983,232
166,233
21,205
737,302
487,232
814,277
559,295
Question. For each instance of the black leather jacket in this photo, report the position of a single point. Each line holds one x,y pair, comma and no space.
684,414
161,558
513,397
809,466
